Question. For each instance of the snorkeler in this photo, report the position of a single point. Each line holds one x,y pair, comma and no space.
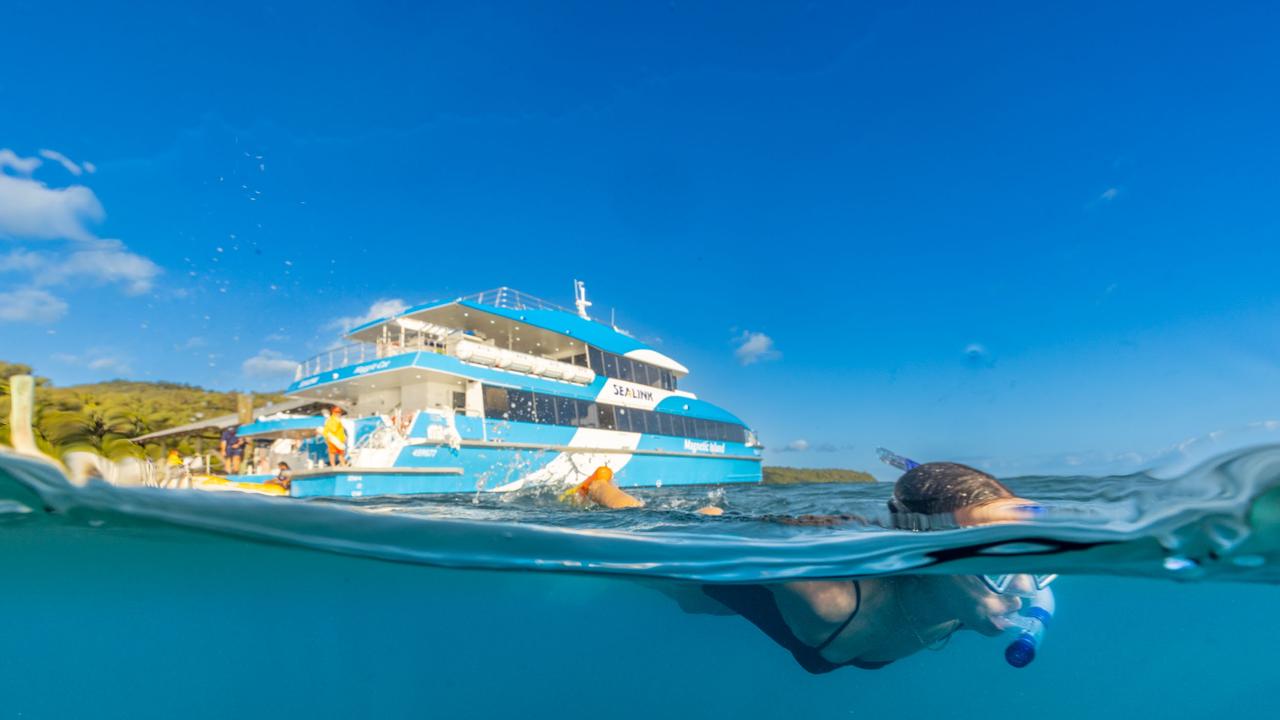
869,623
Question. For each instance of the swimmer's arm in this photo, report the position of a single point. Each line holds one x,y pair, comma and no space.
612,497
815,608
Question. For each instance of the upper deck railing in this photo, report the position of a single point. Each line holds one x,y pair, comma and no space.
512,299
359,352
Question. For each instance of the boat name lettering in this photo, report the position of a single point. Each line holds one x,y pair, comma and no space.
633,393
371,367
704,446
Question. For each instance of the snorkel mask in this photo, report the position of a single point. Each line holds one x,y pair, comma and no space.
1028,625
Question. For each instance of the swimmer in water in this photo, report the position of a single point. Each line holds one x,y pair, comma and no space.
869,623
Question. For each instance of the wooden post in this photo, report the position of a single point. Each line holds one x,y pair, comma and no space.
244,408
22,398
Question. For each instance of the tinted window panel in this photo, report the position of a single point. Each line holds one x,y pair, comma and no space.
597,360
546,407
588,414
495,402
626,369
677,426
642,373
622,417
664,423
610,365
606,416
566,411
521,405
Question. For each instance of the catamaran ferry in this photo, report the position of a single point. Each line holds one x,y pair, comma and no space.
498,391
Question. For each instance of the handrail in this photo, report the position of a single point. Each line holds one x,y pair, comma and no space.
342,356
512,299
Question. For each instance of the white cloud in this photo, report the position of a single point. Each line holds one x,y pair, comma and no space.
269,364
62,160
12,161
753,347
376,311
60,220
100,262
95,359
31,210
1109,194
796,446
108,363
30,305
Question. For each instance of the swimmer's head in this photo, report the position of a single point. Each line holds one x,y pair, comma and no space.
969,495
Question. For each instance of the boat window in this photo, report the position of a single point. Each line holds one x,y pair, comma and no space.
626,370
610,365
546,409
642,373
566,411
521,406
588,414
495,402
579,360
597,360
526,406
606,416
459,401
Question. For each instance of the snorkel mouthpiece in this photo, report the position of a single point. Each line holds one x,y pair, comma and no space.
1030,625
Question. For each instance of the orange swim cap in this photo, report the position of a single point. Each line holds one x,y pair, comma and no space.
602,473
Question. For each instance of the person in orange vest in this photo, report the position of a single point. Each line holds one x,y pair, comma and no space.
335,437
600,489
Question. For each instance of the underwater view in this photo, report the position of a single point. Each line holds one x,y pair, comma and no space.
397,359
144,601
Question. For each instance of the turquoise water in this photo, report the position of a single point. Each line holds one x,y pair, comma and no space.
148,603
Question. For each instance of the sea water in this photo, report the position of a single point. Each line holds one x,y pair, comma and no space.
127,603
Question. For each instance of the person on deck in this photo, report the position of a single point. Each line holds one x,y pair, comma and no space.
335,437
284,476
869,623
232,450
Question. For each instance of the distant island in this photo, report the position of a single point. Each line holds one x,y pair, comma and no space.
101,417
792,476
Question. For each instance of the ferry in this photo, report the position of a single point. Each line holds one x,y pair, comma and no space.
500,391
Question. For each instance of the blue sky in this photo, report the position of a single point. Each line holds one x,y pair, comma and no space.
1036,239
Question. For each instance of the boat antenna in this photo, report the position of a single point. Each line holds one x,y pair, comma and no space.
580,299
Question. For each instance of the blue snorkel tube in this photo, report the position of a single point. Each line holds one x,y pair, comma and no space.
1028,624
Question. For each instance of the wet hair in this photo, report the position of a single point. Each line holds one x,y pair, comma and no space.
943,487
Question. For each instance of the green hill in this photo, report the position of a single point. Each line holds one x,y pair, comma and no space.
791,476
103,416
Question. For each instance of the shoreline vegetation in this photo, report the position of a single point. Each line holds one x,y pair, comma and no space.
101,417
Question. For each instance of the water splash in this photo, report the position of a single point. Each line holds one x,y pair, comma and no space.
1218,520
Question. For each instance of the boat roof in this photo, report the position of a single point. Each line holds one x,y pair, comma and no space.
545,325
222,422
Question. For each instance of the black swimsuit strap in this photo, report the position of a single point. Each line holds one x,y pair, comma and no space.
857,605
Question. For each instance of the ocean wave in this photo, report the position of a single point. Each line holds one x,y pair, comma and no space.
1217,520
